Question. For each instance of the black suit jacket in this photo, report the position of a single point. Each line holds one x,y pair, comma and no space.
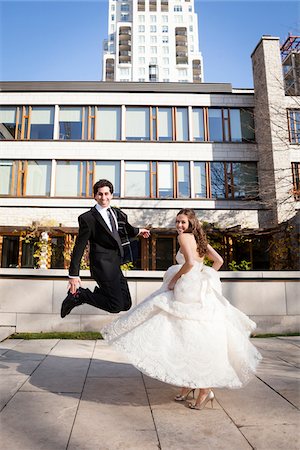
105,250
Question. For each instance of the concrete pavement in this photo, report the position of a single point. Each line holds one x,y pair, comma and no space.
83,395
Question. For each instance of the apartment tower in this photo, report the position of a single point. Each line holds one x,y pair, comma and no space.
152,40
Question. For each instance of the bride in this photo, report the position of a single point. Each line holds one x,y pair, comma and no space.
186,333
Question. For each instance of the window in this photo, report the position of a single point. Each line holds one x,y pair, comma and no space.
165,39
125,7
234,180
124,17
165,61
200,179
165,124
111,171
215,124
124,71
41,122
7,177
165,29
112,17
153,28
296,180
153,50
68,182
141,60
294,126
108,123
183,179
137,124
247,125
182,128
165,19
8,122
10,251
165,180
141,28
178,19
153,39
141,18
153,19
153,60
70,123
137,179
177,8
141,49
165,50
38,178
142,71
198,125
141,38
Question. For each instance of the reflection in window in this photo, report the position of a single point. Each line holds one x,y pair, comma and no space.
57,256
215,125
137,179
68,180
137,124
217,177
235,125
182,128
183,179
164,253
38,178
247,124
244,179
108,123
165,124
28,249
109,170
70,123
198,125
41,122
296,179
200,180
7,122
165,180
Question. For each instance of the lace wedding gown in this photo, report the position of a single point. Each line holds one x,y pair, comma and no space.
190,336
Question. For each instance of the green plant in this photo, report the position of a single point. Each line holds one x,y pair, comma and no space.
127,266
243,265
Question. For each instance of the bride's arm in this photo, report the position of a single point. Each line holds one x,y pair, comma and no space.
215,257
184,241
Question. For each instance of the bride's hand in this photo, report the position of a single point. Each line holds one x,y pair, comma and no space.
171,285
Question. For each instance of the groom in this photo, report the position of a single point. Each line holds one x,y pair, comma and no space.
103,227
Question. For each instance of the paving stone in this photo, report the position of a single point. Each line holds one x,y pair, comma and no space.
274,437
279,349
35,349
9,344
38,421
9,386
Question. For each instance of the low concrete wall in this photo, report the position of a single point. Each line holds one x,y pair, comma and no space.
30,299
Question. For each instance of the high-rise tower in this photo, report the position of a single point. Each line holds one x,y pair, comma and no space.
152,40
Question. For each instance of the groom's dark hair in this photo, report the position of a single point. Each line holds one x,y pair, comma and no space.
101,183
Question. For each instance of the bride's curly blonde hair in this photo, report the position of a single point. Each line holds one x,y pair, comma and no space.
197,230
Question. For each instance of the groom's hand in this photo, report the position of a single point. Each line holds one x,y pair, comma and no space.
74,284
144,232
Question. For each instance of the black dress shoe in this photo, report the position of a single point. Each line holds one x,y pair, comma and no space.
69,303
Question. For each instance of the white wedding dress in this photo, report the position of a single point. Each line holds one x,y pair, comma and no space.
190,336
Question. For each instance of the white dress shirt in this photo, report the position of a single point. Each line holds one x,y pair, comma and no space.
104,214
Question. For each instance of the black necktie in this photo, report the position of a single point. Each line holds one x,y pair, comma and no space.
114,230
113,224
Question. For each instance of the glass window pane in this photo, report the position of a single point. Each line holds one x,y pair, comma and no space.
110,170
235,125
28,250
137,124
57,256
215,125
247,123
10,251
200,180
183,177
245,180
70,123
182,132
164,253
217,180
38,178
6,173
42,122
137,179
7,122
108,123
165,124
67,183
165,180
198,125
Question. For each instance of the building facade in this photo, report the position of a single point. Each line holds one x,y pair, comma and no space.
152,41
232,155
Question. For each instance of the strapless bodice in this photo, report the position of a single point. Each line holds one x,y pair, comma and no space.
180,259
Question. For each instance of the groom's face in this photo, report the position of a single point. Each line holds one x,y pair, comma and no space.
103,196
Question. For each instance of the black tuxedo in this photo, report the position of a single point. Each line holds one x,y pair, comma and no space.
106,253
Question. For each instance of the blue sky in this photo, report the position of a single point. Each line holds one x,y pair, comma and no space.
62,40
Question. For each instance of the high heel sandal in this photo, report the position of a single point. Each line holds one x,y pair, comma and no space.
182,398
209,398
